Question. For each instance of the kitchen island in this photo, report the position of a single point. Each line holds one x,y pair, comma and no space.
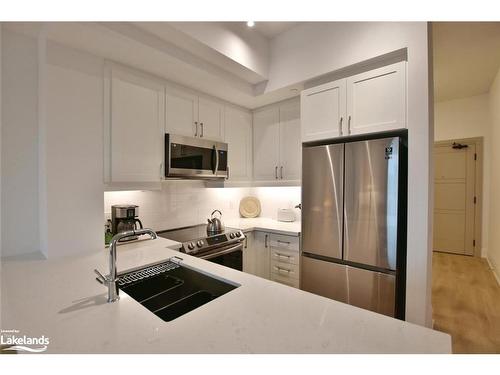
59,298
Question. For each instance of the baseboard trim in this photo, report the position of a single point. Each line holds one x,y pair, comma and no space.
494,270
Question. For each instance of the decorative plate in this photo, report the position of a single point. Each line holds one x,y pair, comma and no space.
250,207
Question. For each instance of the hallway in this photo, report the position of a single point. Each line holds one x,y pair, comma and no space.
466,302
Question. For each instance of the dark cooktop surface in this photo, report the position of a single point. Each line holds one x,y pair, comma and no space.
189,233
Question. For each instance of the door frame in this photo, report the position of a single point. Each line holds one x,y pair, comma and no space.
478,185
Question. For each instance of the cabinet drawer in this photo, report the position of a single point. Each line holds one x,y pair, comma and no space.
281,242
284,256
287,270
285,280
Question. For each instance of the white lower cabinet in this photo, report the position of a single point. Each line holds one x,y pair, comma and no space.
273,257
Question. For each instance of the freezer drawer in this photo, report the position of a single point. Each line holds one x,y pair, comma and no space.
371,202
326,279
375,291
322,200
370,290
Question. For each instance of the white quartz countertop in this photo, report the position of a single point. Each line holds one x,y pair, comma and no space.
266,225
59,298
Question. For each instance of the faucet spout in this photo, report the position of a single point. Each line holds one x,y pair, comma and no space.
111,280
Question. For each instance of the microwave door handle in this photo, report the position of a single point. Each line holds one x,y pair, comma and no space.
216,160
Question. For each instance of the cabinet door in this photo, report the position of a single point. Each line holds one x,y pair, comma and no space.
238,131
211,119
249,254
376,100
181,112
135,134
290,143
266,144
262,255
323,111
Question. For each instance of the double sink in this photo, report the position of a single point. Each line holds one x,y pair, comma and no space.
170,290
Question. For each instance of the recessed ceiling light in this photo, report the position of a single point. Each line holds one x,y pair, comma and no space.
250,23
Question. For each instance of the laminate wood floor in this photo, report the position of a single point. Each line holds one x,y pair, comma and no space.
466,302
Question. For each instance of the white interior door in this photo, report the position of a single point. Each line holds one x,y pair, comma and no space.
290,142
136,131
266,132
211,119
181,112
323,110
238,134
376,100
454,192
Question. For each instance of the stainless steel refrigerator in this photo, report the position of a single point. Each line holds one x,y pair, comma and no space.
354,223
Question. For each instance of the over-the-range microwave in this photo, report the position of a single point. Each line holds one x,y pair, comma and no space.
195,158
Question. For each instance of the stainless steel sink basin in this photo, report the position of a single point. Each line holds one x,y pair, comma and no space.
170,290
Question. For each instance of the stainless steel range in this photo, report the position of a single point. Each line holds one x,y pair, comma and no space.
225,248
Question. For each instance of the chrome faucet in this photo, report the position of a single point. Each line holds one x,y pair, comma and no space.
111,280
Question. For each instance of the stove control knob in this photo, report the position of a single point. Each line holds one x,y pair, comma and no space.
231,235
190,246
199,243
238,234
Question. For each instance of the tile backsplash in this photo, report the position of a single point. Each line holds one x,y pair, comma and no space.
182,202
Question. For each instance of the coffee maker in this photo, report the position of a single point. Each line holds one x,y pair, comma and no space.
124,218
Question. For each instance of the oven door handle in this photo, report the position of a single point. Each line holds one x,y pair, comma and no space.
231,249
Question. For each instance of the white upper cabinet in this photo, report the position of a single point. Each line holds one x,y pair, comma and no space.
134,133
369,102
277,145
181,112
290,143
193,116
376,100
210,119
323,110
266,135
238,134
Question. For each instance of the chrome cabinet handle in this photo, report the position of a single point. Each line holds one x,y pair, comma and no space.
349,125
201,134
196,128
285,242
279,269
265,240
281,172
340,125
282,255
276,172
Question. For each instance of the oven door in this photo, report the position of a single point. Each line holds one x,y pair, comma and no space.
187,157
230,256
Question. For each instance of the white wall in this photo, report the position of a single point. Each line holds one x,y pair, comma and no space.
469,118
494,238
19,144
313,49
74,151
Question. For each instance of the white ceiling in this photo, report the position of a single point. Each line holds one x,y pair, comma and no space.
273,29
466,58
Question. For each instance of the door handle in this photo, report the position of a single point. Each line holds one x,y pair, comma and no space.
281,172
349,125
276,172
216,160
201,126
340,125
196,128
285,242
265,240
